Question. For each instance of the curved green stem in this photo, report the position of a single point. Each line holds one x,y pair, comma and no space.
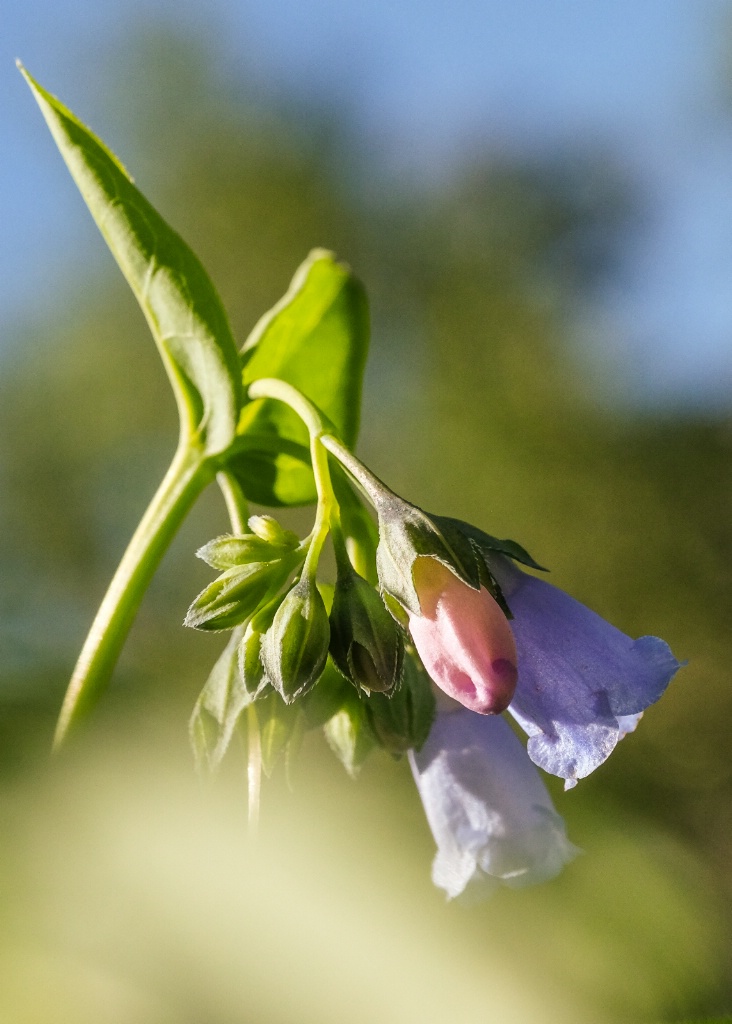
317,424
327,505
236,503
189,473
272,387
374,489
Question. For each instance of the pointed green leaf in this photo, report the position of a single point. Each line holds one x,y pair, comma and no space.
315,338
175,293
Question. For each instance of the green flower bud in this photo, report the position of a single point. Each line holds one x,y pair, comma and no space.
238,592
250,649
295,647
348,734
366,644
229,552
403,721
269,530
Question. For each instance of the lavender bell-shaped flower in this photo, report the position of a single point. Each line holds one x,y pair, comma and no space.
490,814
582,683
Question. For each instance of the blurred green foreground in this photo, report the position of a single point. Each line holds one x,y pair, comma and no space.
131,893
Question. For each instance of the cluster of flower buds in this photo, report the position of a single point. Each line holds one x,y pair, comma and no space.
454,635
308,653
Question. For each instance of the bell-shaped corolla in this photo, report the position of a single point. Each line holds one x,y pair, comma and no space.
490,814
463,638
582,683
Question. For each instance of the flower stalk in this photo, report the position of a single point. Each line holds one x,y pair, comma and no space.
188,475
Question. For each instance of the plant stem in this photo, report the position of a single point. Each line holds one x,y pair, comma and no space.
317,424
236,503
272,387
187,476
374,489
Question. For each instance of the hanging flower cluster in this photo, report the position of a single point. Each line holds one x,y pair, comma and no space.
442,608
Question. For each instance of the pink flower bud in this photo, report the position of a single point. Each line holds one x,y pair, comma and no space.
463,639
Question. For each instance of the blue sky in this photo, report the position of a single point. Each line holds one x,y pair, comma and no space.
429,80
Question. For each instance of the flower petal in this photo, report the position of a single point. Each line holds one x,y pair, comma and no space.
490,813
463,638
582,683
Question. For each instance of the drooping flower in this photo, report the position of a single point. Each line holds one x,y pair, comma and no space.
490,814
582,683
463,638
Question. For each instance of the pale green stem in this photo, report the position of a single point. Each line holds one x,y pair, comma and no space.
373,488
327,505
236,503
271,387
189,473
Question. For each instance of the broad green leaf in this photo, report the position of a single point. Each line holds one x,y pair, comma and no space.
175,293
315,338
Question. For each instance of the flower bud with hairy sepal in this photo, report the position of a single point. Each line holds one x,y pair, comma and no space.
231,550
251,669
365,642
407,533
237,593
295,647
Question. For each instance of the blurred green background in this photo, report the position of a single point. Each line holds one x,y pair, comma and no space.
131,893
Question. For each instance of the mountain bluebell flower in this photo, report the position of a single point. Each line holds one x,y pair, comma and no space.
490,814
582,684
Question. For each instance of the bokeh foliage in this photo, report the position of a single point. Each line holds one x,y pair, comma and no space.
475,407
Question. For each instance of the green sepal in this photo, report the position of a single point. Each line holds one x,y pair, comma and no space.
365,643
407,533
315,338
278,724
216,712
486,543
251,667
295,647
237,593
349,735
174,291
326,698
231,550
403,721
